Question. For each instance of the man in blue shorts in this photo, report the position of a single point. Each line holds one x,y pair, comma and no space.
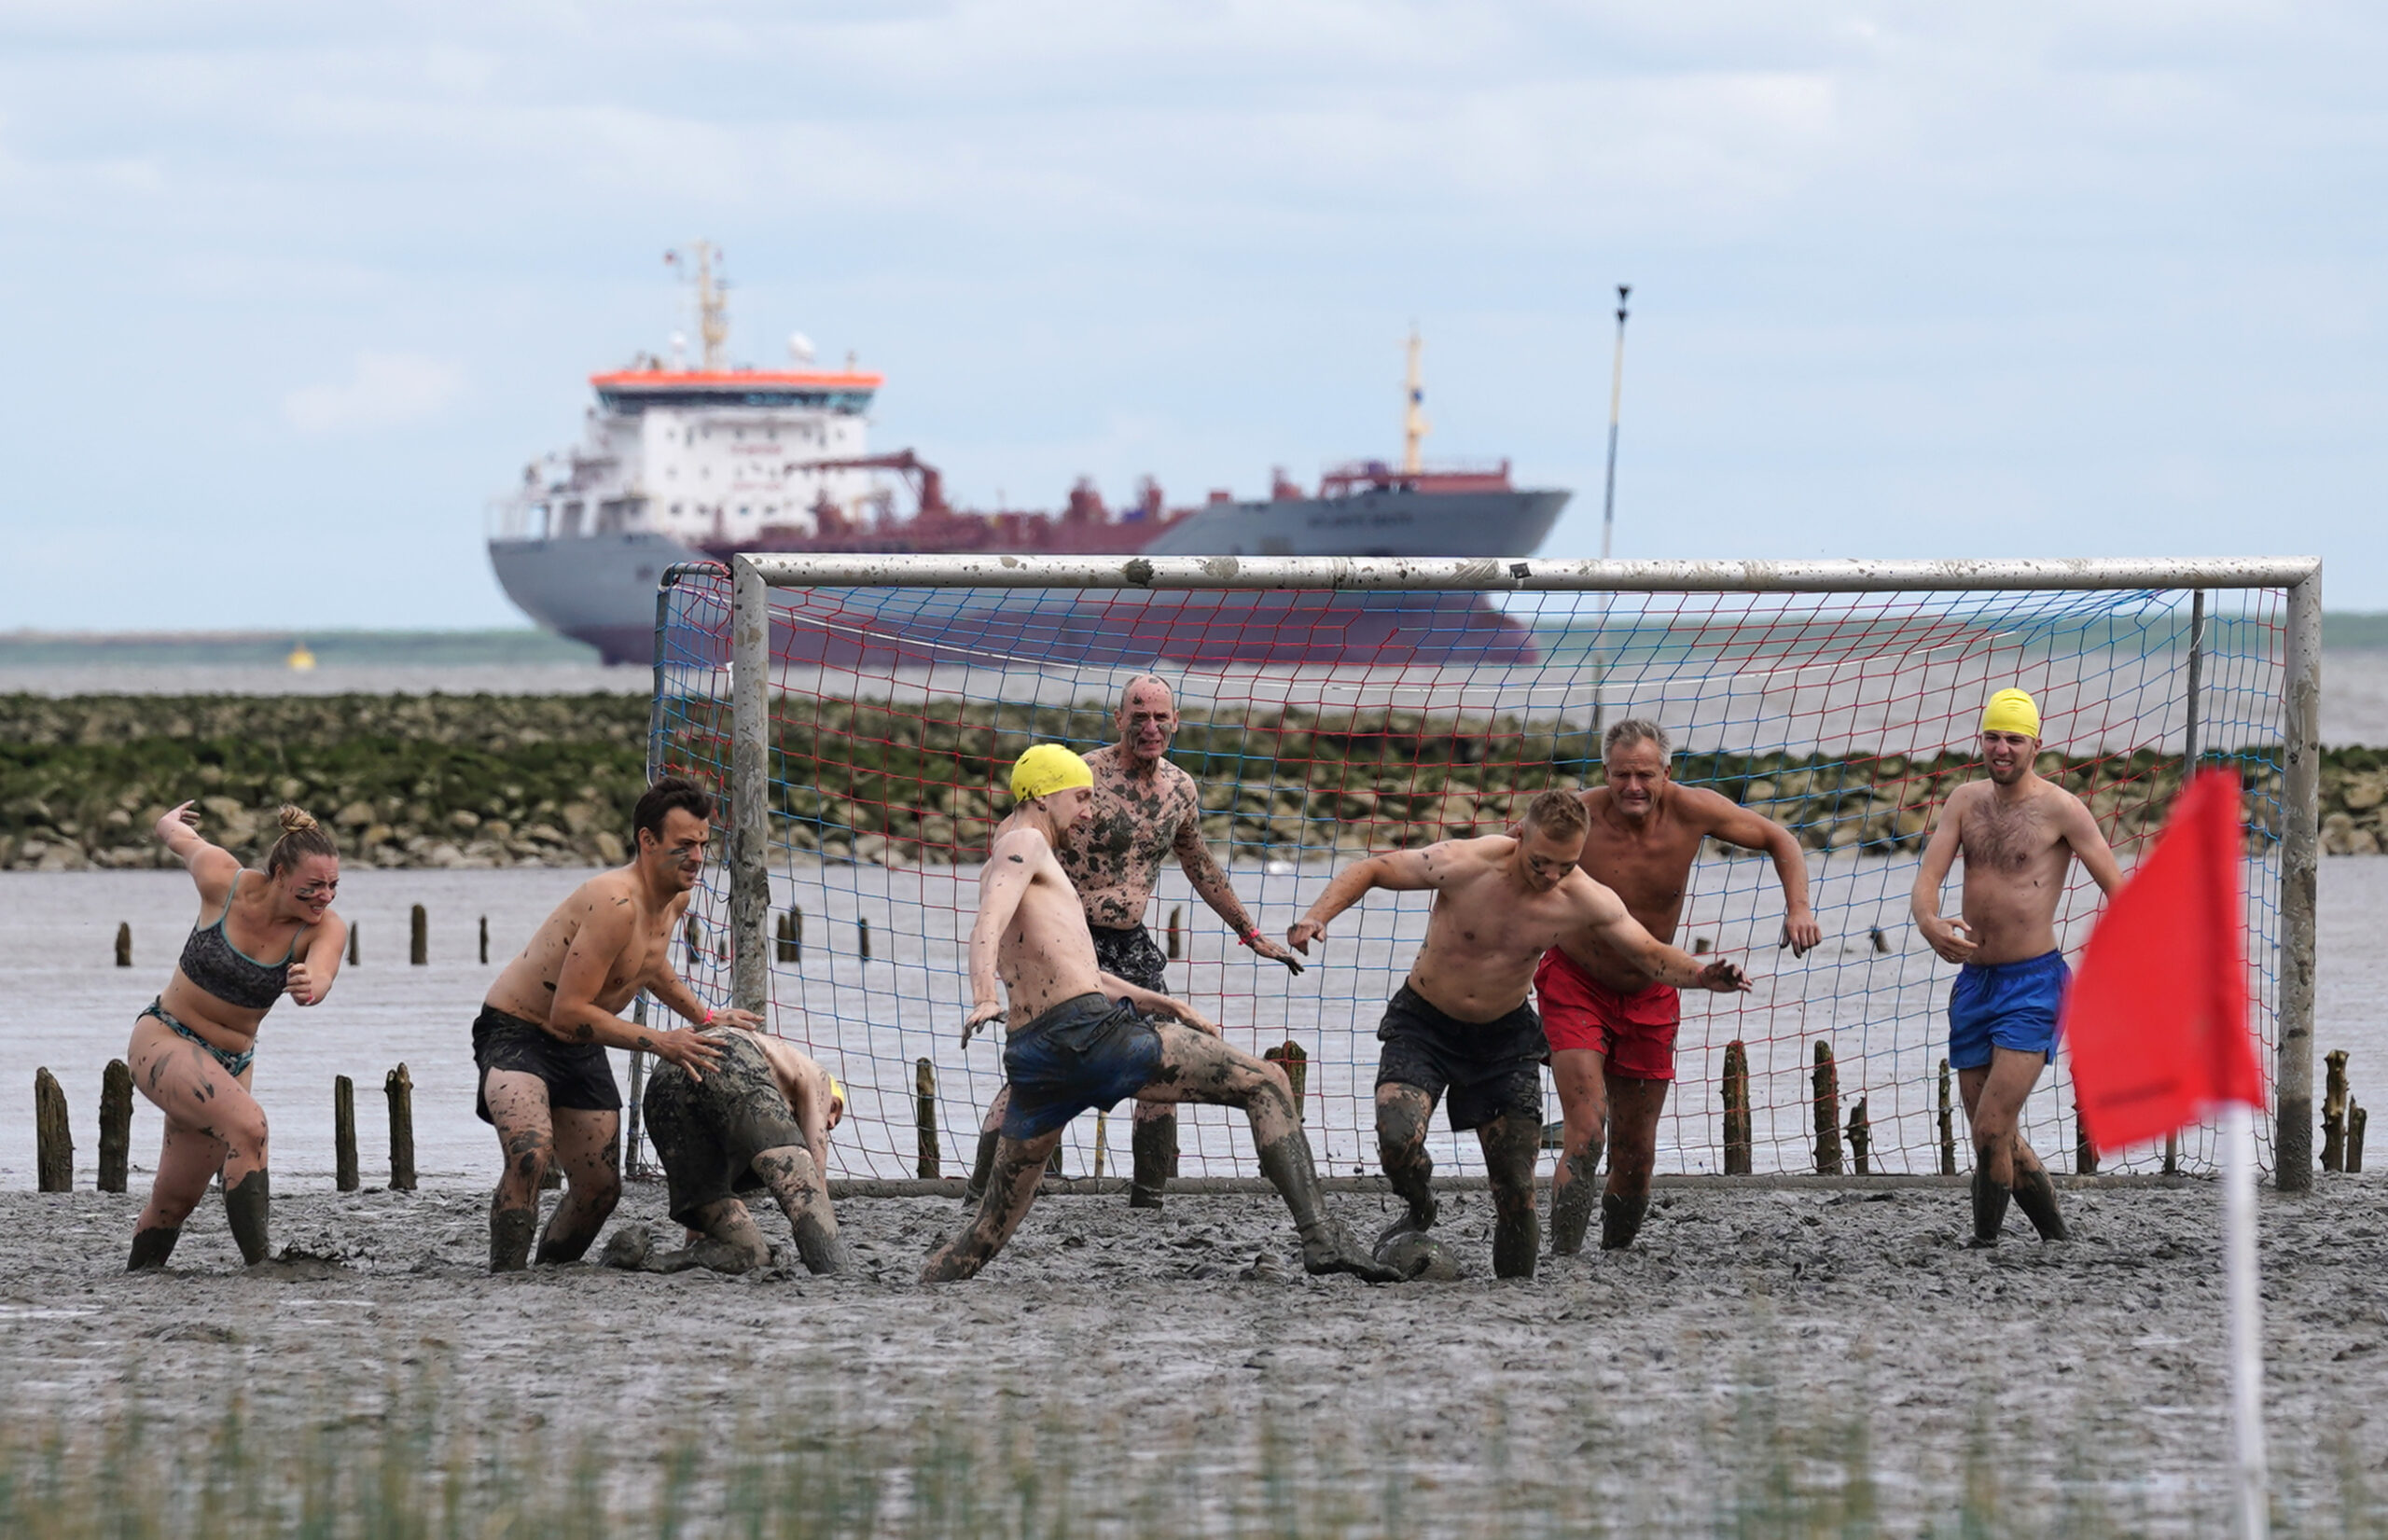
2019,835
1077,1037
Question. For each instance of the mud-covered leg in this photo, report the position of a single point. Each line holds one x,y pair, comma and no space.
1511,1143
1583,1103
587,1145
1198,1067
729,1242
248,1204
188,1161
1153,1143
2035,1194
1403,1114
1020,1166
1634,1106
989,1134
804,1198
518,1108
1994,1096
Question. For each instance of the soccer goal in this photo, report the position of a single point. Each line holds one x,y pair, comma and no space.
861,713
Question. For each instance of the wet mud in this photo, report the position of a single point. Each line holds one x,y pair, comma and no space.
1848,1298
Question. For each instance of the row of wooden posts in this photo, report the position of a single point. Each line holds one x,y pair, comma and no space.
788,937
54,1136
418,940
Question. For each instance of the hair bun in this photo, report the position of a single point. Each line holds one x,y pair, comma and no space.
293,819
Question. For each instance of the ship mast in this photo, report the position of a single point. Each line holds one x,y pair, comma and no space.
713,306
1413,418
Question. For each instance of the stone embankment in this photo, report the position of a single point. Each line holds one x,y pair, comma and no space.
484,781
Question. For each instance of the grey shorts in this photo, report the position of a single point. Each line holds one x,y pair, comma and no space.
707,1133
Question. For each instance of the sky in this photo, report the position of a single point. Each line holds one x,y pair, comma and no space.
295,290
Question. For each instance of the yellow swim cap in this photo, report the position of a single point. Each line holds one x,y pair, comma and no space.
1047,768
2011,711
836,1091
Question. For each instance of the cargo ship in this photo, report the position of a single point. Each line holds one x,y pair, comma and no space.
680,463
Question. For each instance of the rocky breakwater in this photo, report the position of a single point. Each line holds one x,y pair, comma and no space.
428,781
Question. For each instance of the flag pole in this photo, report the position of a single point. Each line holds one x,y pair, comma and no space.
2246,1319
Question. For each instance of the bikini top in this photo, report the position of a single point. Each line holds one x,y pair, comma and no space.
211,961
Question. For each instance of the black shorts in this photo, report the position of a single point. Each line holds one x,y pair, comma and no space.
1490,1068
1087,1051
1128,952
579,1078
707,1133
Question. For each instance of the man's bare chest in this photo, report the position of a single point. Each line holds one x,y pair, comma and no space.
2007,840
1649,875
1132,831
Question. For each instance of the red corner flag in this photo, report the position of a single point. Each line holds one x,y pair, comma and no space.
2157,1019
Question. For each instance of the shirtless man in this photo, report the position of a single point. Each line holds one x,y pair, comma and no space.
2018,836
1611,1022
1078,1037
540,1040
1461,1021
759,1119
1145,810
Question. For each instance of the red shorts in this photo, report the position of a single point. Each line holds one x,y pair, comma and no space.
1634,1032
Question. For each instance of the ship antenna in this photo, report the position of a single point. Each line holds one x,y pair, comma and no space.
1414,425
1616,400
713,306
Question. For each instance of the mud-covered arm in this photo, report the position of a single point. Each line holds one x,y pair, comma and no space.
211,867
1396,871
1736,825
1003,883
311,977
1948,938
1605,916
575,1015
1213,885
1152,1002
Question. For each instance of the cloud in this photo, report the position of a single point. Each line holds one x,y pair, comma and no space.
384,390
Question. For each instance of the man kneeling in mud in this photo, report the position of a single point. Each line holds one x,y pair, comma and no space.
759,1119
1079,1037
1460,1023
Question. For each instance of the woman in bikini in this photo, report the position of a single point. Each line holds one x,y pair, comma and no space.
192,1047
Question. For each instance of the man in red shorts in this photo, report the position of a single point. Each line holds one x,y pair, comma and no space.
1612,1025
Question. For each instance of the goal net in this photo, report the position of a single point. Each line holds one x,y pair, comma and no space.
1323,723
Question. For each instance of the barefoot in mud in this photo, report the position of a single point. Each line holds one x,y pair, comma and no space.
760,1120
1080,1038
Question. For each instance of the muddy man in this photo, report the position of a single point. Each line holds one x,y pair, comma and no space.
540,1040
758,1120
1146,810
1611,1023
1461,1023
2019,835
1078,1037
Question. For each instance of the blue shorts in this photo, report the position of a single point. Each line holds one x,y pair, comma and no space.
2006,1005
1087,1051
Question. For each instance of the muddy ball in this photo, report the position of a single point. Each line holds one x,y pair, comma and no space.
1415,1255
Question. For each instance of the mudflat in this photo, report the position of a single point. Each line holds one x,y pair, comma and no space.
1619,1384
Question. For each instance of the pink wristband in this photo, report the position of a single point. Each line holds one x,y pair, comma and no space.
708,1021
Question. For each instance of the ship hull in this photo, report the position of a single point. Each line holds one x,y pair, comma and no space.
600,590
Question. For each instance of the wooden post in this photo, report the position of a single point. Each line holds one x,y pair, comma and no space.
53,1140
1101,1135
1882,942
343,1133
1826,1079
2334,1112
116,1125
861,935
795,929
2085,1154
417,937
1699,945
353,928
1947,1127
2172,1153
1736,1109
484,940
2357,1117
931,1164
1861,1138
1177,912
1294,1060
399,1088
693,939
784,945
124,944
633,1158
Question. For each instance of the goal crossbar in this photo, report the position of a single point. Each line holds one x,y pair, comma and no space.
754,576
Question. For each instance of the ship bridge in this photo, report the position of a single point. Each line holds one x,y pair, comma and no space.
630,392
